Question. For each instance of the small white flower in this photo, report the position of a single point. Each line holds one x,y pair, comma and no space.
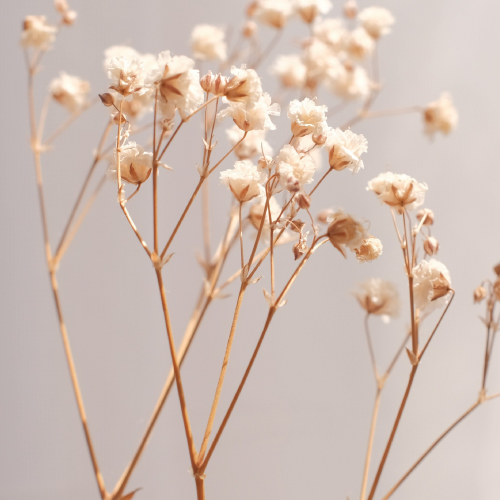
38,33
274,13
345,149
257,210
118,51
306,117
254,116
70,91
431,284
245,86
127,74
244,180
379,297
293,167
253,144
377,21
208,42
348,81
359,44
291,71
332,32
309,9
440,115
345,230
398,190
321,61
135,164
369,250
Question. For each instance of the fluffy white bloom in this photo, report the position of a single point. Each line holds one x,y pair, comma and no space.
274,13
321,61
398,190
306,117
128,75
254,116
431,284
348,81
359,44
244,180
379,297
69,91
440,115
118,51
291,71
377,21
37,33
344,230
309,9
208,42
345,149
331,32
178,83
253,144
135,164
293,165
370,249
245,86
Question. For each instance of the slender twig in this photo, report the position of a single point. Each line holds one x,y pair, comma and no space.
370,347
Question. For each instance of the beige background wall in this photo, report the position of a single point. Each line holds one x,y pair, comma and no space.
300,428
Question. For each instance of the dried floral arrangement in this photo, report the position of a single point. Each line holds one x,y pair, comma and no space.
272,216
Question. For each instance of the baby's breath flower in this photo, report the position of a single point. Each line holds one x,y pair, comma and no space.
38,33
291,71
331,32
214,84
348,81
274,13
379,297
253,144
254,116
429,216
440,115
345,149
208,42
479,294
70,91
359,44
178,82
127,74
135,164
295,170
377,21
244,180
309,9
245,86
350,9
431,246
370,249
257,210
431,284
306,117
321,62
398,190
344,230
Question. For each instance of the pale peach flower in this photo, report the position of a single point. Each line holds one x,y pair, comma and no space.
379,297
377,21
70,91
344,230
293,166
348,81
345,149
244,180
291,71
332,32
431,284
308,10
369,250
274,13
253,144
359,44
128,75
440,115
208,42
135,164
306,117
38,33
321,62
245,86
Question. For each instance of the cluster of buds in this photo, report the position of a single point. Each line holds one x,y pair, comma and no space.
214,84
493,291
68,15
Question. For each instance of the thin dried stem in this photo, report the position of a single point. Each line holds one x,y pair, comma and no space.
370,347
392,112
396,356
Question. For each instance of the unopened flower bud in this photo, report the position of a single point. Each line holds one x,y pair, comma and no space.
61,6
497,269
167,125
249,29
299,249
324,215
350,9
429,216
107,99
431,246
252,9
117,118
303,200
69,17
206,81
345,230
479,294
440,287
319,139
264,161
371,249
292,184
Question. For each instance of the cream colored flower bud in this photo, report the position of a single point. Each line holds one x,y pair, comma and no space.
319,139
303,200
206,81
429,216
431,246
252,9
292,184
249,29
350,9
69,17
117,118
325,215
479,294
345,230
299,249
440,287
264,162
107,99
497,269
371,249
61,6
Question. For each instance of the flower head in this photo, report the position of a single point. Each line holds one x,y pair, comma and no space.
308,10
359,44
348,81
440,115
377,21
295,170
244,180
398,190
331,32
127,74
208,42
38,33
344,230
274,13
291,71
70,91
135,164
345,149
369,250
245,86
431,284
379,297
306,117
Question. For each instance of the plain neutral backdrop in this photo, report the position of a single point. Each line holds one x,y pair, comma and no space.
300,428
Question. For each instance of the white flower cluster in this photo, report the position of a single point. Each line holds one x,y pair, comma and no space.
70,91
431,284
136,165
440,116
379,297
208,42
38,33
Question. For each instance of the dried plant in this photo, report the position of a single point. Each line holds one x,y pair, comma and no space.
272,194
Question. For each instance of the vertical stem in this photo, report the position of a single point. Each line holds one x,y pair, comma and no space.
241,238
155,181
200,487
370,348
